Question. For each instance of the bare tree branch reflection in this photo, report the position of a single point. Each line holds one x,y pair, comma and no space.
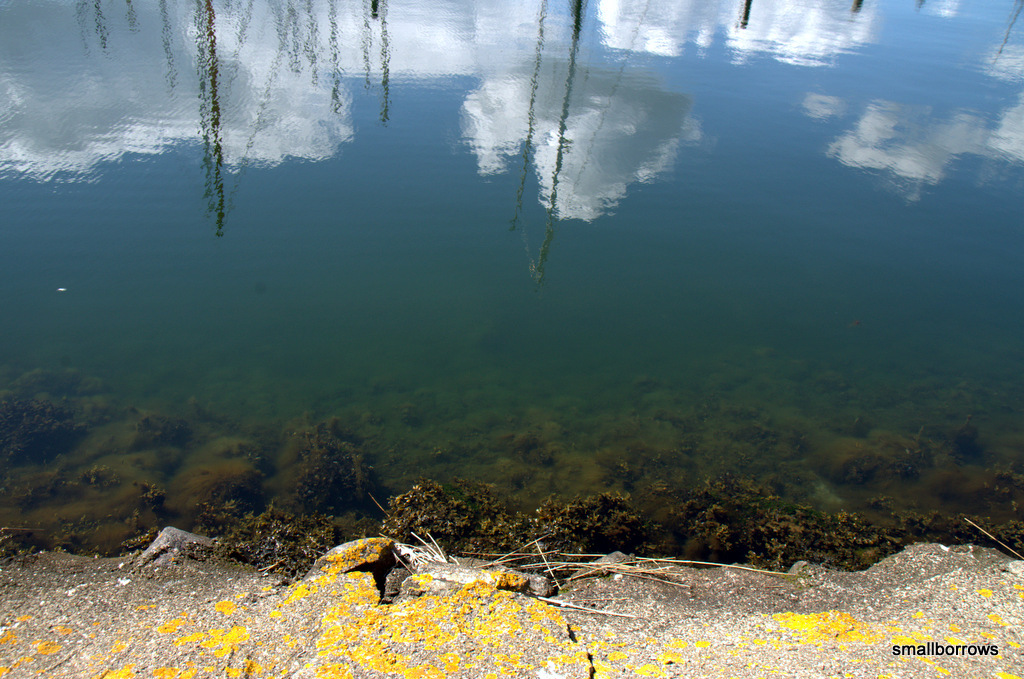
210,112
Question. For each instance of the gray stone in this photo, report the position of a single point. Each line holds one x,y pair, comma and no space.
171,545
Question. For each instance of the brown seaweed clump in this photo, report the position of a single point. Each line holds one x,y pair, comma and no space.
156,430
468,518
463,517
599,524
35,431
279,541
332,475
220,493
737,520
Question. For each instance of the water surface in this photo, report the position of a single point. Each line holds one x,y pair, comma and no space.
557,247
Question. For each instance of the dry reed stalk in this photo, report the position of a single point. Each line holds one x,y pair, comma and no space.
566,604
1003,544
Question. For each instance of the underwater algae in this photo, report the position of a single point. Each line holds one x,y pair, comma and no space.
718,477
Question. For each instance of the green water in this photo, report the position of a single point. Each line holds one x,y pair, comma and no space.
560,248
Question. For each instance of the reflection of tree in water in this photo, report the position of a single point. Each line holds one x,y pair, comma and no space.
377,11
537,267
165,39
227,76
210,113
587,131
531,117
1018,6
83,9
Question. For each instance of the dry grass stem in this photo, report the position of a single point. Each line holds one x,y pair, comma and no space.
993,537
566,604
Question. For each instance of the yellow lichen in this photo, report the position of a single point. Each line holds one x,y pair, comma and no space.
356,554
225,607
222,643
818,628
987,593
46,647
171,626
333,672
181,641
300,591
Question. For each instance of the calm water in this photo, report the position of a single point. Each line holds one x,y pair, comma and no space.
556,247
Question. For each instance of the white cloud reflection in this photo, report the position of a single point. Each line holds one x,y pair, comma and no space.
915,146
803,32
75,95
619,129
821,106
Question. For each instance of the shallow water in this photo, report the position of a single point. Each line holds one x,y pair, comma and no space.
561,248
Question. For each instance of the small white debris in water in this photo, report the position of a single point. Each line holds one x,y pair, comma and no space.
123,581
62,289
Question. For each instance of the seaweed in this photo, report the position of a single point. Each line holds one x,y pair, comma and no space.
222,493
469,517
463,516
734,519
35,431
279,541
157,430
332,474
600,523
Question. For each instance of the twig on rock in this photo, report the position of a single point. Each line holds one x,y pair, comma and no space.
566,604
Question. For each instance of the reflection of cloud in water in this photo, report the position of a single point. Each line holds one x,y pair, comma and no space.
905,142
620,129
65,111
942,8
1008,137
661,28
1007,63
916,148
820,106
793,31
801,32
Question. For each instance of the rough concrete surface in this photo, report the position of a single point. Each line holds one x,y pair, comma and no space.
195,616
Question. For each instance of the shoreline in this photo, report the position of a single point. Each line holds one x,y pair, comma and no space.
179,611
